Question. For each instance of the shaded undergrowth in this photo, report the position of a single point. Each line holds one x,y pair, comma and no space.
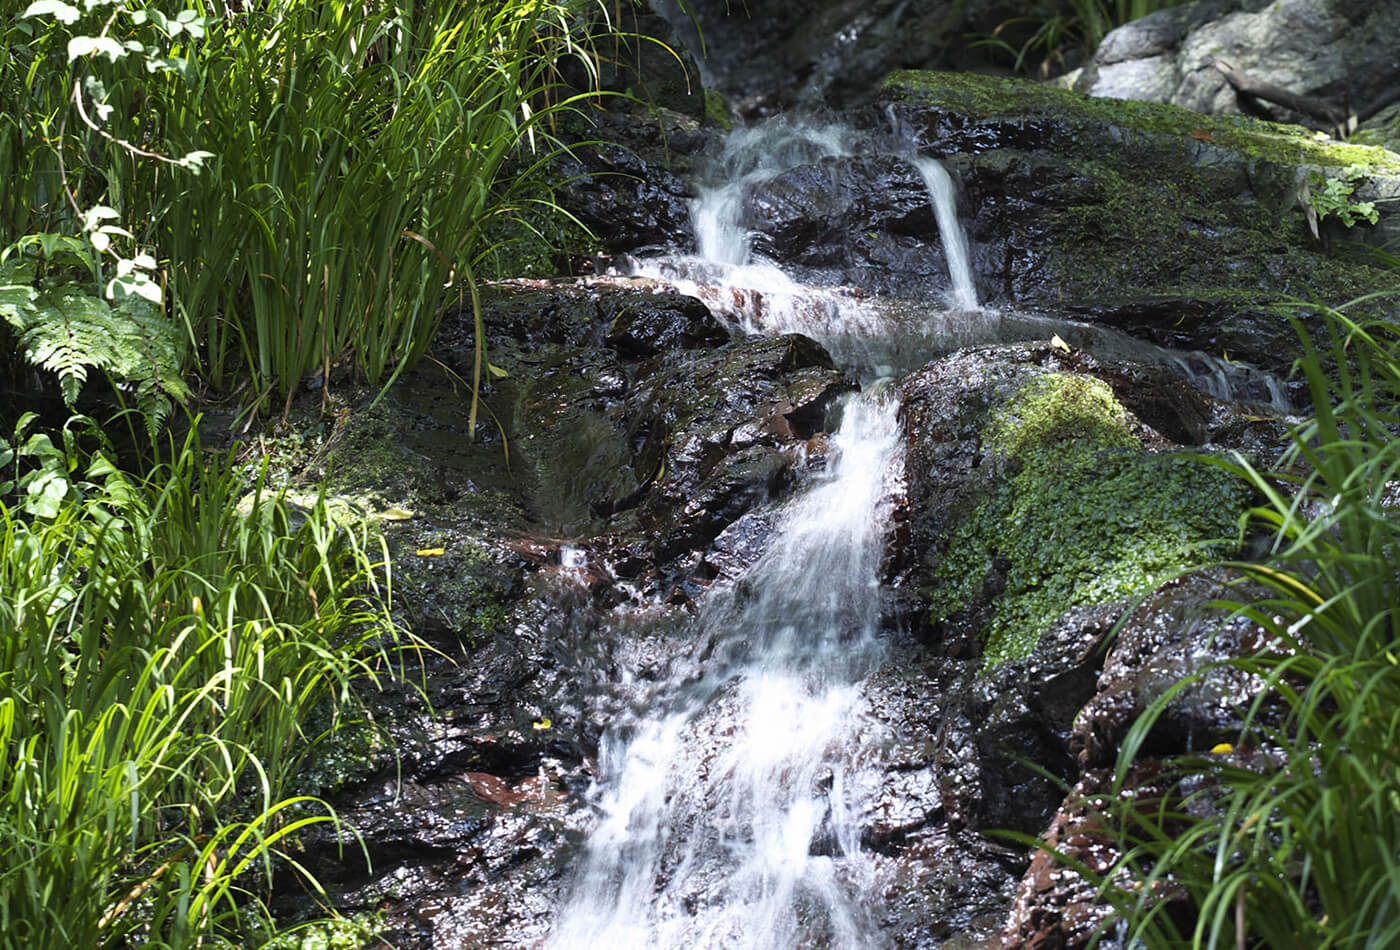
1290,836
164,643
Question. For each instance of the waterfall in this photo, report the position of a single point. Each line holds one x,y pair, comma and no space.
730,816
963,296
730,806
752,155
730,803
864,335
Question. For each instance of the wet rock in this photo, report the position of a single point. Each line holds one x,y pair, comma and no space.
647,324
862,222
628,177
1176,227
1056,906
1170,637
632,417
832,52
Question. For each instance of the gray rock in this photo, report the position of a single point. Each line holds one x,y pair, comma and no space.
1340,51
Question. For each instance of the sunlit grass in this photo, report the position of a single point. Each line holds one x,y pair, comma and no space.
357,156
1293,840
163,642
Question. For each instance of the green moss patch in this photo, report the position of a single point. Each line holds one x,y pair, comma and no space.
1088,517
717,110
997,97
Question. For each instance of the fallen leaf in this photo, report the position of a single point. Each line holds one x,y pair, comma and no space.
542,723
1223,748
1202,135
1059,344
395,514
430,552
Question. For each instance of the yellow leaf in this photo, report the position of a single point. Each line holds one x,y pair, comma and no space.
542,723
395,514
430,552
1059,344
1223,748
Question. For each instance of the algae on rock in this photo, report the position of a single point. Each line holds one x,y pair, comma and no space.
1087,515
1184,229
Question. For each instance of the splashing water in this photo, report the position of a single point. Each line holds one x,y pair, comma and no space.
862,334
753,155
730,809
730,818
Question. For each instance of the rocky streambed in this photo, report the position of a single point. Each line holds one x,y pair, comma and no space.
626,551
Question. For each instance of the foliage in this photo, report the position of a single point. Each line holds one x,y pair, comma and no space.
337,933
1087,518
1332,195
163,641
62,328
1294,840
1072,25
339,162
77,275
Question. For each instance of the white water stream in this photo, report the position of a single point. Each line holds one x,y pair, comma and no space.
730,812
730,818
730,815
864,335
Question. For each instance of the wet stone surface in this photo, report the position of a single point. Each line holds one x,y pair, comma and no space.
553,586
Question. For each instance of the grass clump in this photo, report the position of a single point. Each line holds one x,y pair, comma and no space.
1071,31
1086,517
301,184
164,642
1293,840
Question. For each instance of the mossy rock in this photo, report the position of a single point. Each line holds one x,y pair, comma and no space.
1187,229
1086,515
991,101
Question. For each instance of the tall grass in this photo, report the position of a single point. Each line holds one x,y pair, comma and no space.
163,642
1073,26
1293,841
359,150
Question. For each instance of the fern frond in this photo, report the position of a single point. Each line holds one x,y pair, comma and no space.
70,332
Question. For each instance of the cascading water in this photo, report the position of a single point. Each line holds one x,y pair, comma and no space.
730,805
730,817
730,811
865,336
878,337
963,296
751,155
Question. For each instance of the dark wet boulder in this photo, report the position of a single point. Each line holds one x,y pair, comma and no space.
723,430
861,221
784,53
1180,228
1176,634
634,419
648,323
1033,489
1055,906
627,178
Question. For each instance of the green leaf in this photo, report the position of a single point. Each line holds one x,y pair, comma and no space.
54,8
80,46
45,494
